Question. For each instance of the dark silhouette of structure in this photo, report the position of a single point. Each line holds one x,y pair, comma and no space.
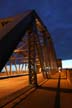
25,39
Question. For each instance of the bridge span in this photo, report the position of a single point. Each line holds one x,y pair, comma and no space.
31,75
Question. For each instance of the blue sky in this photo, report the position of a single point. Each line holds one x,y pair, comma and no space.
56,15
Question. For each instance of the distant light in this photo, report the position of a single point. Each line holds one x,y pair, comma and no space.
59,69
67,64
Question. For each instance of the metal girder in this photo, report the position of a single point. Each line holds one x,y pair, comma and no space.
40,53
45,47
52,60
39,48
32,59
11,35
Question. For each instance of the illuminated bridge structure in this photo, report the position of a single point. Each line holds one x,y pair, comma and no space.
25,40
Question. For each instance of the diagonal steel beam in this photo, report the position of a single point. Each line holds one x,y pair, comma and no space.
11,35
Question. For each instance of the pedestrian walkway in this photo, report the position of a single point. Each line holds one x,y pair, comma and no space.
55,92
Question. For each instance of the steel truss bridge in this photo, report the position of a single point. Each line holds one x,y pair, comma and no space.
24,39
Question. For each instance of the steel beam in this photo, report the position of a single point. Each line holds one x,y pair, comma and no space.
39,48
51,52
32,59
11,35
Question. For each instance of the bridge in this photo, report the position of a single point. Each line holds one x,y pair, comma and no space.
27,52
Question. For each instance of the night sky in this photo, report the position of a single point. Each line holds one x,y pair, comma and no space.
56,15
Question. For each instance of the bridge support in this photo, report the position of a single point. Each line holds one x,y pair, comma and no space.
40,46
32,59
51,57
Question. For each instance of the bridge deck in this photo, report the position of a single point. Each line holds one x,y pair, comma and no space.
55,92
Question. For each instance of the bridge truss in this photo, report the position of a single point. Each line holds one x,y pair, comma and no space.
25,40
